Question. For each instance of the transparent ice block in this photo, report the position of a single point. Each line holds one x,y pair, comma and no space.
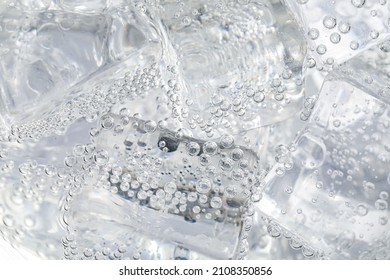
33,184
53,57
328,192
158,194
338,30
237,60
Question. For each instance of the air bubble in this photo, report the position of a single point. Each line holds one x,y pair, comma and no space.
50,171
94,132
383,220
313,33
374,34
335,38
216,202
381,204
124,186
88,253
280,172
142,195
358,3
274,231
230,191
237,154
383,195
330,61
170,187
125,112
150,126
107,122
8,221
196,209
308,251
385,46
186,20
70,161
118,129
203,186
344,27
354,45
362,210
321,49
336,123
126,177
210,148
204,159
78,150
329,22
279,97
193,148
226,164
192,197
259,97
289,190
227,141
101,158
311,63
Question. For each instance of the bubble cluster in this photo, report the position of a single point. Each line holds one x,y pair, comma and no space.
165,172
89,105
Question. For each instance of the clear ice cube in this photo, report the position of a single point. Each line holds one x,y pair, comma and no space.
328,192
33,184
338,30
241,61
52,58
189,197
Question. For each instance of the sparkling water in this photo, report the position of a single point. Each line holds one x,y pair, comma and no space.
165,129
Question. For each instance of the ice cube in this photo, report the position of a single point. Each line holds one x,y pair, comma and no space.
52,59
53,50
333,195
158,190
238,62
338,30
33,184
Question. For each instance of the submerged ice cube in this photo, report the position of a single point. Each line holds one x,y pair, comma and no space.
55,50
33,183
240,61
52,58
328,192
338,30
161,195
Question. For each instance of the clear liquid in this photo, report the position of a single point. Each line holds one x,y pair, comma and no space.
160,130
